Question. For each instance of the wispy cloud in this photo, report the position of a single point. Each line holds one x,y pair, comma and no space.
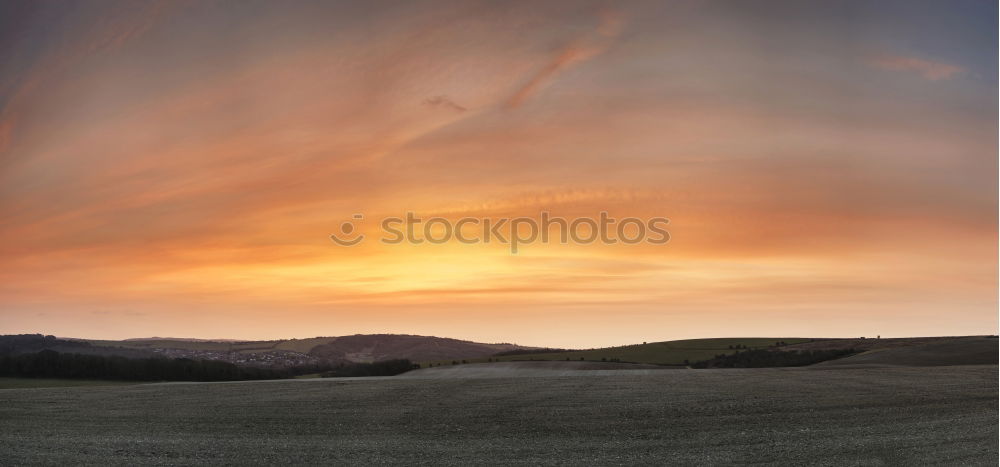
580,50
111,33
444,102
933,71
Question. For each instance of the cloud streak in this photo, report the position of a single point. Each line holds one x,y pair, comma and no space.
444,102
106,34
580,50
929,70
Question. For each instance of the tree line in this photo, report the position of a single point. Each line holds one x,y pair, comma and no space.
383,368
51,364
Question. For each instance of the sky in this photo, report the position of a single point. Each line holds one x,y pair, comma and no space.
829,169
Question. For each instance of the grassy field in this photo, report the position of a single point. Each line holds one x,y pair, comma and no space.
23,383
658,353
883,416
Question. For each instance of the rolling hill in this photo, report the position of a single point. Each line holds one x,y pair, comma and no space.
30,343
658,353
973,350
356,348
913,351
437,351
370,348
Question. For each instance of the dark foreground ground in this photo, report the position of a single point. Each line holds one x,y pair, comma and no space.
856,416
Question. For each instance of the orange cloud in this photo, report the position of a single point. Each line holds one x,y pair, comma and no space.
934,71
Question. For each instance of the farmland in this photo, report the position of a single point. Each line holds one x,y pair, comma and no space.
23,383
873,416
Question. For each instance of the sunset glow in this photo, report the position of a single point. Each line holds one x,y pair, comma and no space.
177,169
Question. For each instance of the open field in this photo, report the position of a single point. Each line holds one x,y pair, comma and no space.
973,350
534,369
857,416
20,383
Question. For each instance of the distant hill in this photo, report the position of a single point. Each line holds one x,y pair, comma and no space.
976,350
187,339
30,343
915,351
356,348
438,350
660,353
376,347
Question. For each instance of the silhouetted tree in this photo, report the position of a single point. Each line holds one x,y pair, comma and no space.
52,364
381,368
